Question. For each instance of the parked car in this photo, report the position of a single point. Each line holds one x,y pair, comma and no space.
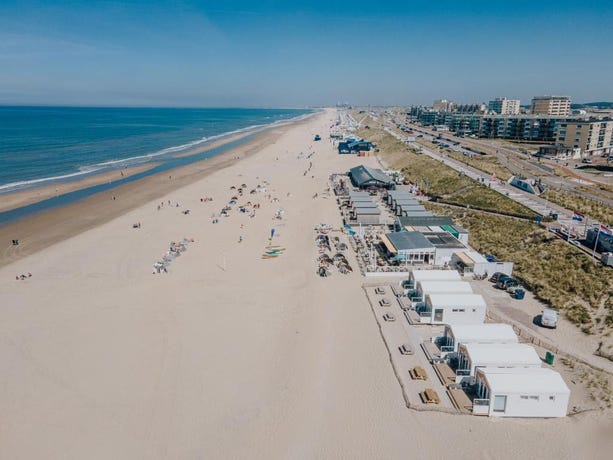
495,276
549,318
406,349
506,282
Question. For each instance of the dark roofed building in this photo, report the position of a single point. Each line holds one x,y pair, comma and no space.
409,247
354,146
364,177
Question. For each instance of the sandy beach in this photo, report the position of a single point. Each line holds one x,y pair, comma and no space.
228,355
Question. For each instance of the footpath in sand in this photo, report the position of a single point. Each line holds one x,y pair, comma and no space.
227,355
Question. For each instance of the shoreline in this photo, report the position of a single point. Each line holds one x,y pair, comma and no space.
16,199
42,229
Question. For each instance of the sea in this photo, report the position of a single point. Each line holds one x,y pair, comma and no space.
43,145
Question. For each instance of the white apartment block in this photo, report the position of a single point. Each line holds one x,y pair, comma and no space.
504,106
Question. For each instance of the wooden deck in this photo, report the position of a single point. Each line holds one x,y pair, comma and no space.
444,373
431,350
460,401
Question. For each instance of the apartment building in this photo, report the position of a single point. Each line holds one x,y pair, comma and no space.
504,106
593,137
558,106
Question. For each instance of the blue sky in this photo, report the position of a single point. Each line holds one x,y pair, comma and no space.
272,53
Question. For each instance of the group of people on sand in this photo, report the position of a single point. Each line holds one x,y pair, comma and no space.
23,277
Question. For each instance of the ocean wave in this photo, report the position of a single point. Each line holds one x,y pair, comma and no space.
85,170
29,183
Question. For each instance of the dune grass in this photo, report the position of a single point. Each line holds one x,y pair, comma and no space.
595,210
558,273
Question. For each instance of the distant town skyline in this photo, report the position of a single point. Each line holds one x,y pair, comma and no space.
292,54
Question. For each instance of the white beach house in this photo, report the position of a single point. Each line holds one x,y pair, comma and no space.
432,275
472,356
452,309
525,392
456,334
423,288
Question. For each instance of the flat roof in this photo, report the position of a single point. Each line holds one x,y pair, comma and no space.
365,204
440,275
524,381
456,300
353,193
499,354
424,221
482,332
476,257
416,212
398,193
444,286
361,199
407,241
367,211
443,240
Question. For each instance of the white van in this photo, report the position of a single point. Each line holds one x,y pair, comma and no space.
549,318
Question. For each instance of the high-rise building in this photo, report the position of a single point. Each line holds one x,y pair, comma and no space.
504,106
551,105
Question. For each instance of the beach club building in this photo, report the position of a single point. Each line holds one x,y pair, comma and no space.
365,177
452,309
408,247
472,356
423,288
488,333
524,392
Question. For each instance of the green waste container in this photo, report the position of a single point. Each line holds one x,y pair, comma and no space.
549,358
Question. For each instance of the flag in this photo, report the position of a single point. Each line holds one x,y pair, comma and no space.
604,229
578,216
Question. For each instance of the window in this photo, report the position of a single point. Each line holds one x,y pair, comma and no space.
500,403
552,398
462,310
